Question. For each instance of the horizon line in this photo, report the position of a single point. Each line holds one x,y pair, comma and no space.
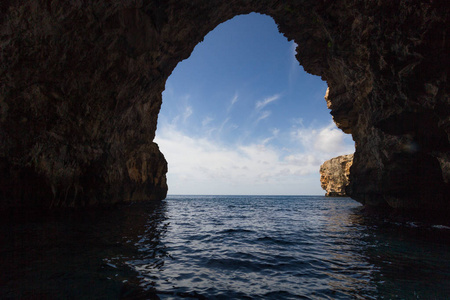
292,195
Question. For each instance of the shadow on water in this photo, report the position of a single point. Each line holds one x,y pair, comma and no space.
223,248
70,255
409,259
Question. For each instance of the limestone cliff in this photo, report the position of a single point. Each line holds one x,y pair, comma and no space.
334,175
81,84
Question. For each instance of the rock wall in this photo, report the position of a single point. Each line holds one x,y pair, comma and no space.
334,175
81,84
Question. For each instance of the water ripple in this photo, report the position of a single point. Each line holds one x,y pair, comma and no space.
225,248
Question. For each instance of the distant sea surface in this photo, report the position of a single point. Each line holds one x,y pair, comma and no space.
224,247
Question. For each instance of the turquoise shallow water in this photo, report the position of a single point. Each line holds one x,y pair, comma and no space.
224,247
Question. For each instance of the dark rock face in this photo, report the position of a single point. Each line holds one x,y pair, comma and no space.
334,175
81,83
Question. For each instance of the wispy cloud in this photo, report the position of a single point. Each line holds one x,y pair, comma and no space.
223,124
263,103
264,114
187,113
297,121
206,121
233,101
275,133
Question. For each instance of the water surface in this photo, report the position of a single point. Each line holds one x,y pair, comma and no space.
225,247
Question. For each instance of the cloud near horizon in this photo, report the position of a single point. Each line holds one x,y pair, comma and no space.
204,166
326,140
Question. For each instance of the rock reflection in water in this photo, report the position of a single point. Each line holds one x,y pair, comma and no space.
410,260
81,255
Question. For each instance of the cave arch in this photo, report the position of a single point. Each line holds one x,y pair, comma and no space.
83,85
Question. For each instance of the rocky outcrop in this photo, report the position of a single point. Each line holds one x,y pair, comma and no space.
334,174
81,85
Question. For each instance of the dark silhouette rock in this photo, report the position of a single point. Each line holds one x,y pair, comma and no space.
81,84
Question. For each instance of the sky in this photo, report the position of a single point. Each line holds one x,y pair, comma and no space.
240,116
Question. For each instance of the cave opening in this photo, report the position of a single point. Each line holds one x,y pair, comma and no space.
241,116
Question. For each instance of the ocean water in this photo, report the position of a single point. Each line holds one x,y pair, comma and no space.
224,247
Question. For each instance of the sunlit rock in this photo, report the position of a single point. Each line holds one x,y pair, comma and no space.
334,174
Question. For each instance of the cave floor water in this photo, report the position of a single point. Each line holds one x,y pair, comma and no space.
224,247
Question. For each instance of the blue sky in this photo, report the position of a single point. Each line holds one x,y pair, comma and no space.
241,117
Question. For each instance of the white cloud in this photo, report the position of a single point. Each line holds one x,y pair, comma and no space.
263,103
330,140
326,140
203,166
294,64
303,159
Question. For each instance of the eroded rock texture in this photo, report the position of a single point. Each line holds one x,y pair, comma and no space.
81,83
334,175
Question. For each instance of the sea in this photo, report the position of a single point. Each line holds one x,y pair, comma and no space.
224,247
